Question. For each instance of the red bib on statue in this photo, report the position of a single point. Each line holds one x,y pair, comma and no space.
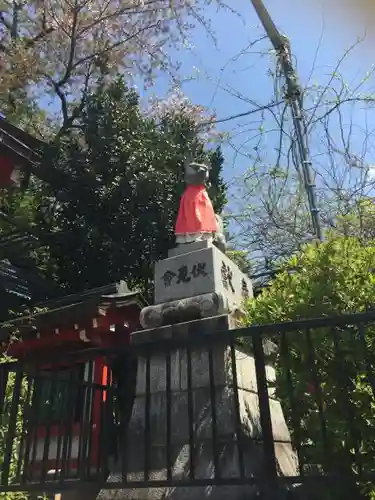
196,214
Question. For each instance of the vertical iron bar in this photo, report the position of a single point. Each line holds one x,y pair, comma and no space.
32,426
102,433
83,394
85,421
48,423
284,351
90,442
122,423
215,447
23,442
345,392
108,422
168,388
12,427
237,414
318,393
369,367
127,394
190,410
88,420
147,434
265,414
62,386
4,374
37,411
69,425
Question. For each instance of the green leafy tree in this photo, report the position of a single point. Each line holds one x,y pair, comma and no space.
61,48
119,178
241,259
359,221
332,278
271,206
5,422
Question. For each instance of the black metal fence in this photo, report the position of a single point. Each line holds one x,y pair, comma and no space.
274,411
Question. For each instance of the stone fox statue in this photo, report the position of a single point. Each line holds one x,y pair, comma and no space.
196,220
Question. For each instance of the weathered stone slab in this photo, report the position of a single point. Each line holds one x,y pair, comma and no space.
200,272
199,307
201,405
188,329
189,247
225,411
195,330
228,464
200,377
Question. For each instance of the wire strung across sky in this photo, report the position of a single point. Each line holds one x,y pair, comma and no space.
241,115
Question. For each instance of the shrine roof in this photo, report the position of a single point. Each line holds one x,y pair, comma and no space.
72,311
20,144
24,282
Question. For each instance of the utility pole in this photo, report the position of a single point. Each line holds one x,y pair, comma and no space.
294,96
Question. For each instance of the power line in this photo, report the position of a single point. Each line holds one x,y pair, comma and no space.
241,115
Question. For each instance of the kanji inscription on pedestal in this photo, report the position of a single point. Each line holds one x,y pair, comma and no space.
201,271
184,274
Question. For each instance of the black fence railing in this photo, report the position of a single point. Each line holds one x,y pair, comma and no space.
275,411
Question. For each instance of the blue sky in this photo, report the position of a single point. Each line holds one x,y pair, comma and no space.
308,25
320,31
319,34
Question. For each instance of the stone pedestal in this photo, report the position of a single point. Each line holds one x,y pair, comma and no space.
196,281
196,269
206,417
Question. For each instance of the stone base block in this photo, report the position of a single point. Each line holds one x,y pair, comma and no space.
212,422
201,271
182,249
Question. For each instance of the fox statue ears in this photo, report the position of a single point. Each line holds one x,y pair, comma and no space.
199,166
196,173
